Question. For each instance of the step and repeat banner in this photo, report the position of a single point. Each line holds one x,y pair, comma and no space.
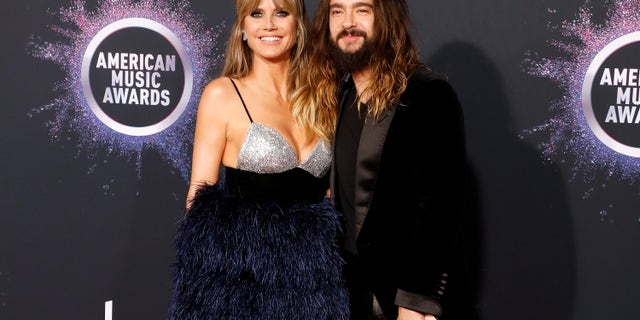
96,127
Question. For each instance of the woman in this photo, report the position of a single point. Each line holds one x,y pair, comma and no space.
260,243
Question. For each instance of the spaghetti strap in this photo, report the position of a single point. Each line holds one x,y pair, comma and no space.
242,100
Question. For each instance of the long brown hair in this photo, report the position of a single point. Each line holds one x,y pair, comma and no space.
238,62
393,60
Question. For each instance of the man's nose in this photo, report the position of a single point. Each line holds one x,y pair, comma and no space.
349,21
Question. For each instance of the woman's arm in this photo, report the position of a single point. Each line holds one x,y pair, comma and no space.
210,137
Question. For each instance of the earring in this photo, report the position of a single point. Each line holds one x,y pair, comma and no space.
244,36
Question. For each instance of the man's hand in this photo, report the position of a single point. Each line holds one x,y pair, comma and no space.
408,314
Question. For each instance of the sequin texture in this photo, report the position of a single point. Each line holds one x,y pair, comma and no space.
264,150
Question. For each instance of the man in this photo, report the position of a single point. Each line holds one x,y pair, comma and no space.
399,160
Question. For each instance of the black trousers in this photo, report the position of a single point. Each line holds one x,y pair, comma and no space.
363,287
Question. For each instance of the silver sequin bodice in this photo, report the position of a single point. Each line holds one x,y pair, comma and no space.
264,150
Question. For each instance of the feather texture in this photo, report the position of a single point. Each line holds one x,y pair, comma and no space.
238,259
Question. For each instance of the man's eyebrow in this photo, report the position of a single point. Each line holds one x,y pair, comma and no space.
355,5
363,4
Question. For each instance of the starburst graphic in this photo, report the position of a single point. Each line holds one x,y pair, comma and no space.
569,134
72,115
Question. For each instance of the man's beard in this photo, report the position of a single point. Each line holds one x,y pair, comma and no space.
351,61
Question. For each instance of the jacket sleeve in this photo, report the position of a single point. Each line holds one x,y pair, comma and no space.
438,172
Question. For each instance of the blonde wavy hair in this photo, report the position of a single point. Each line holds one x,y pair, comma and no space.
238,61
393,60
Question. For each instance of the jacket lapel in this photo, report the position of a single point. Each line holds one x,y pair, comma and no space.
332,174
371,143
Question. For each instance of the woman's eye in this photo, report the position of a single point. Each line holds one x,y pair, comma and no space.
282,13
256,14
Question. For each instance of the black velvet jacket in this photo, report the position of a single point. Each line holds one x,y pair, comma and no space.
409,189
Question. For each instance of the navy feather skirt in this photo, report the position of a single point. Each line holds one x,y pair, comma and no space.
259,247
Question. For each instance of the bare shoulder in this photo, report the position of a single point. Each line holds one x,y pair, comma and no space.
217,96
218,89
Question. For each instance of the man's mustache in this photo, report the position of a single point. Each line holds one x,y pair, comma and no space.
351,32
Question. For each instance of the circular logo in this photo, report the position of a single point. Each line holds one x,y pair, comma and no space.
136,76
611,95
